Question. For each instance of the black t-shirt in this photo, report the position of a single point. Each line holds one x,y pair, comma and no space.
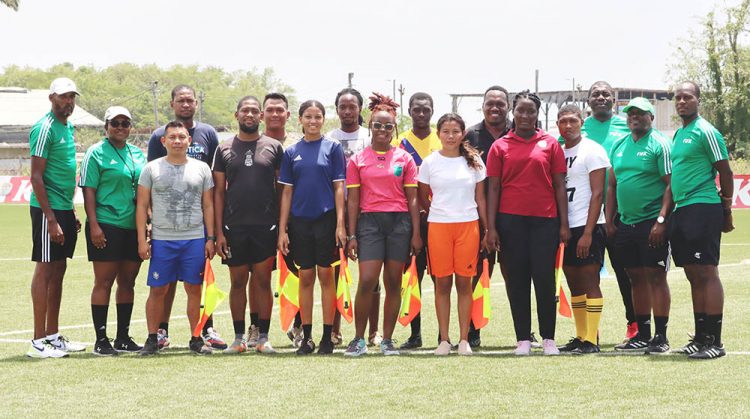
481,139
250,168
202,148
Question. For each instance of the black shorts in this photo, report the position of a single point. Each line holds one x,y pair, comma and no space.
44,250
249,245
313,242
122,244
384,236
596,251
695,233
633,251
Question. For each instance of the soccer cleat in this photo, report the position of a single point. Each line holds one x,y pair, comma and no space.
253,333
571,346
658,345
534,342
549,346
374,339
387,348
264,347
475,342
162,338
523,348
632,345
357,347
413,342
709,350
631,331
306,347
151,347
464,348
102,347
213,339
199,347
45,350
337,339
127,345
62,343
325,347
237,347
586,348
444,348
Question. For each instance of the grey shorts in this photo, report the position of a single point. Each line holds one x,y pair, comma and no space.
384,236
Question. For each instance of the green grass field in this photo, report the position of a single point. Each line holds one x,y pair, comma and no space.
177,383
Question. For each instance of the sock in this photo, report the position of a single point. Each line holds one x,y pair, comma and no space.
593,316
700,325
209,324
53,336
644,326
661,325
713,327
297,320
124,311
239,328
578,302
416,326
264,325
165,326
99,314
307,331
327,329
254,319
152,337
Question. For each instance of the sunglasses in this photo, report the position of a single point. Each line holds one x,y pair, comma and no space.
118,124
379,126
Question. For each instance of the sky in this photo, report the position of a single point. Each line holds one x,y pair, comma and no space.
436,46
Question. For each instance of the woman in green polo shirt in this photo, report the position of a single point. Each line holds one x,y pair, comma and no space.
109,177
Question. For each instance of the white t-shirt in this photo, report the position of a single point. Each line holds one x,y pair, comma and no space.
453,185
581,160
351,142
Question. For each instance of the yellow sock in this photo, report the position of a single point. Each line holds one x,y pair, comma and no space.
593,316
578,303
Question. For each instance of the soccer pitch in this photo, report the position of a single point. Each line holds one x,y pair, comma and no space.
492,383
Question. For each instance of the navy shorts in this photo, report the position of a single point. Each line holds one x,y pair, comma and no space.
173,260
695,233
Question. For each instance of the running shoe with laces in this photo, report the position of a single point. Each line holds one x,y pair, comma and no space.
694,345
523,348
356,347
127,345
586,348
444,348
534,342
387,348
325,347
237,347
374,339
103,347
571,346
464,348
199,347
62,343
151,347
549,347
658,345
632,345
306,347
264,347
214,340
413,342
253,333
337,338
45,350
162,338
709,350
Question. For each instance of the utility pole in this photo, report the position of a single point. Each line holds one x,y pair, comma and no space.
351,76
536,81
394,89
401,92
201,99
573,91
154,85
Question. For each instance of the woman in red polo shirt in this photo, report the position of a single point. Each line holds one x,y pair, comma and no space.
526,170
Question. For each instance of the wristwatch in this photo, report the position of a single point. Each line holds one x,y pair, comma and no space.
352,237
660,219
212,238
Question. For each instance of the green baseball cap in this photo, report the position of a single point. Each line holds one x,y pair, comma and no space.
641,103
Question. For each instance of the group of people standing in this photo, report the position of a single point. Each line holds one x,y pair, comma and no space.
451,197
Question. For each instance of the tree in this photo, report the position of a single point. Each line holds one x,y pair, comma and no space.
13,4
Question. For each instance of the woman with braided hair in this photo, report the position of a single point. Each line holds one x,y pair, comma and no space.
383,217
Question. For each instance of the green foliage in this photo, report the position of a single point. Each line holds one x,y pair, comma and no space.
13,4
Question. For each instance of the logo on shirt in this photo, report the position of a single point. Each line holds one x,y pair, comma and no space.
113,161
155,275
298,158
398,171
688,141
542,144
641,154
619,154
697,255
249,158
62,140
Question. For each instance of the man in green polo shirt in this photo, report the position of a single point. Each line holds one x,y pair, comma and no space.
701,214
639,190
54,223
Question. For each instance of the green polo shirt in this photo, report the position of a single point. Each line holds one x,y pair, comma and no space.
639,167
606,133
695,149
54,141
114,174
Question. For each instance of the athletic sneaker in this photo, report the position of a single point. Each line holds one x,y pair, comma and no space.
199,347
237,347
356,347
325,347
550,348
631,331
586,348
45,350
375,339
387,348
534,342
127,345
464,348
253,333
413,342
306,347
213,339
475,342
632,345
709,350
295,335
571,346
444,348
694,345
151,347
523,348
658,345
102,347
62,343
264,347
162,338
337,339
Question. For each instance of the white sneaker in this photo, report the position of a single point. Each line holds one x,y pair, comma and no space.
45,350
549,346
523,348
464,348
253,332
62,343
444,348
264,347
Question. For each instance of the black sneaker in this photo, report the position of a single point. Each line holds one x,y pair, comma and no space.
632,345
102,347
709,351
151,347
586,347
571,346
694,345
306,347
199,347
127,345
658,345
325,347
413,342
475,339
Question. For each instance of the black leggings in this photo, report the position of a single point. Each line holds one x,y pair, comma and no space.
527,252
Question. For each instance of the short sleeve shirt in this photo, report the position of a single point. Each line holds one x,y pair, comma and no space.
481,139
351,142
695,149
311,167
176,197
203,146
639,167
586,157
381,178
54,141
114,173
453,184
525,168
419,148
250,169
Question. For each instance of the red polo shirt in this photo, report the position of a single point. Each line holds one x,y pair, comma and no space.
525,169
